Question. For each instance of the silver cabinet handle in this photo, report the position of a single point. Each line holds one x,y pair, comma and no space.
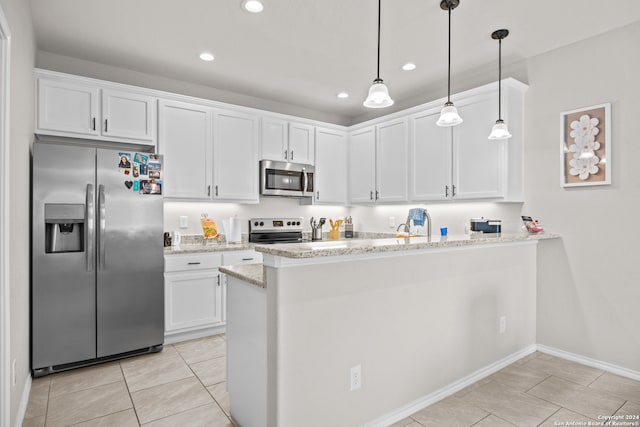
446,191
218,279
208,190
291,154
247,259
106,125
102,219
318,195
453,191
377,194
193,263
285,154
94,123
371,195
216,191
90,219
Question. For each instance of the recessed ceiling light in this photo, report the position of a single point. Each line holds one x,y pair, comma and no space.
206,56
253,6
409,66
343,95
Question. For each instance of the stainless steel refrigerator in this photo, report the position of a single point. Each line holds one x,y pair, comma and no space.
97,289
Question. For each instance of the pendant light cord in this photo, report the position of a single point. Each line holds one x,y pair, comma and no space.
378,75
500,79
449,60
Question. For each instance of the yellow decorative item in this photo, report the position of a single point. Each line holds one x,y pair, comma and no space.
334,234
209,227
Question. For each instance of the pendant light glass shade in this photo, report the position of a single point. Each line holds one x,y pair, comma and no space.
499,130
378,95
378,92
449,115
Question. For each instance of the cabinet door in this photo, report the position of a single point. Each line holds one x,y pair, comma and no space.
185,138
301,143
430,156
67,107
392,162
275,137
331,167
129,116
192,300
362,165
235,157
478,163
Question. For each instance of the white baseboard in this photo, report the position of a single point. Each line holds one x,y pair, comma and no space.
605,366
174,337
448,390
24,401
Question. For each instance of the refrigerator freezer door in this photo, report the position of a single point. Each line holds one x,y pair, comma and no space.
130,282
62,282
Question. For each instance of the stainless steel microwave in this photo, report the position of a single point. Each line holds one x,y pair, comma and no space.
286,179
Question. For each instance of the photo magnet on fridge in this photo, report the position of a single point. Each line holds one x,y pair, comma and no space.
136,170
141,158
125,160
149,187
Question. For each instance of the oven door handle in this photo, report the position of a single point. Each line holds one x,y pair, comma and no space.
306,180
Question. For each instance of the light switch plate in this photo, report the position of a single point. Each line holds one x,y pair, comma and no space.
184,221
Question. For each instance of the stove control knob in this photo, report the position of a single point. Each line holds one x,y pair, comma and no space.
288,222
261,223
298,223
255,224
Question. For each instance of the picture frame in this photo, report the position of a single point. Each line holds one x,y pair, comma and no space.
585,146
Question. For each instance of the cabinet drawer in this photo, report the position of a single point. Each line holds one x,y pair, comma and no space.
191,262
241,257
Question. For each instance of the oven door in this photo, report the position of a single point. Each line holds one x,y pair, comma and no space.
286,179
276,237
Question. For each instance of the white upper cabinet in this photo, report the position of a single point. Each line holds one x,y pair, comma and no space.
301,143
235,156
67,107
287,141
478,162
392,161
331,167
378,163
430,148
362,165
129,116
185,139
77,107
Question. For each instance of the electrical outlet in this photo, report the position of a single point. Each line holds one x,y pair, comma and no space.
356,377
503,324
392,221
13,372
184,221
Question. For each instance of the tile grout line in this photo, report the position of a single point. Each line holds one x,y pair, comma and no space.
549,417
126,384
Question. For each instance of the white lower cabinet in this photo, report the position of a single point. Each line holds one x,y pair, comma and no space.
195,292
193,295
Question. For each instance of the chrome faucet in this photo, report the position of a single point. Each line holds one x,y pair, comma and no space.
406,225
407,229
429,226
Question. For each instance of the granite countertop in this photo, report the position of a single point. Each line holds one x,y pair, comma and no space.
363,246
212,246
251,273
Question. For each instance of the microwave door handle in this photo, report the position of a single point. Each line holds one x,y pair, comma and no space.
90,219
306,181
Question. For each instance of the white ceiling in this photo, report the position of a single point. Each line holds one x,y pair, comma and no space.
303,52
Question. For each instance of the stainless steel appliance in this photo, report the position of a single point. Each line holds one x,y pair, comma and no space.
275,230
286,179
97,289
316,228
486,225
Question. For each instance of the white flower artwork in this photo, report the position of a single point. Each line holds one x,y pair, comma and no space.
585,146
584,162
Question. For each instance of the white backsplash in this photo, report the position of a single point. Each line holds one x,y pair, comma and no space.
454,216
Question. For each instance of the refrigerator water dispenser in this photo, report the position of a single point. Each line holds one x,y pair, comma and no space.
64,227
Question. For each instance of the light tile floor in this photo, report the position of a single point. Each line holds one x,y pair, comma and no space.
184,386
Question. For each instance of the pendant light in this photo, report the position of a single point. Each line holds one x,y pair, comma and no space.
378,92
449,115
499,130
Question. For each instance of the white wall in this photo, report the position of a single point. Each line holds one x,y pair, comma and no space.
21,127
589,283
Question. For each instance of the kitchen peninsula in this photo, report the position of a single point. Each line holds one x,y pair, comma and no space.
365,332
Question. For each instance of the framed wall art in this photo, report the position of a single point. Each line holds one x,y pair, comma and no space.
585,146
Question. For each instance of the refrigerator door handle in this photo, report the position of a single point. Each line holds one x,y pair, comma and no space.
102,213
90,219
